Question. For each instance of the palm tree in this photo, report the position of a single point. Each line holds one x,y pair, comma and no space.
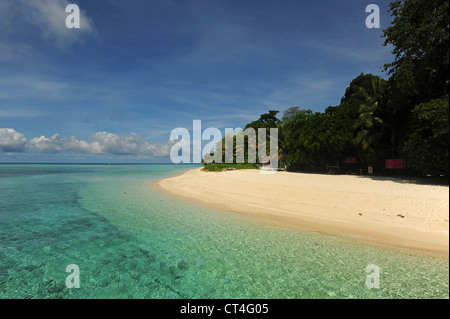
369,124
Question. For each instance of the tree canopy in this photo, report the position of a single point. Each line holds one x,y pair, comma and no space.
406,116
419,34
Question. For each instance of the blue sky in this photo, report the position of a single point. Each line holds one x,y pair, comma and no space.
113,90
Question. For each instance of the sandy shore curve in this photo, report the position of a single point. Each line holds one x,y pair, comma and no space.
385,210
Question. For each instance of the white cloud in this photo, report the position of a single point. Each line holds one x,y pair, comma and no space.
108,143
53,144
100,143
49,17
11,141
158,149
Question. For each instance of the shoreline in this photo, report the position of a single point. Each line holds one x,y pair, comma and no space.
380,212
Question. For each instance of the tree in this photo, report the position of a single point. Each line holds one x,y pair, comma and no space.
314,139
267,121
427,147
298,139
338,134
369,125
417,92
365,101
290,113
419,34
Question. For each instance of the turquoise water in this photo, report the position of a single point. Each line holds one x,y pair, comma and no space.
132,242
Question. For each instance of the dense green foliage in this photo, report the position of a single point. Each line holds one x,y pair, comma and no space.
222,167
426,148
266,121
417,101
346,130
404,117
419,34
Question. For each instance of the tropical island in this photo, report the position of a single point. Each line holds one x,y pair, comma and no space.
398,126
381,130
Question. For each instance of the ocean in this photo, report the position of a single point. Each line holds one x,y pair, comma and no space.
130,241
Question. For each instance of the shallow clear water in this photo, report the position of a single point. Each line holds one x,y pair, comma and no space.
132,242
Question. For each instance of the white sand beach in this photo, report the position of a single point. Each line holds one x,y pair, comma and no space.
387,210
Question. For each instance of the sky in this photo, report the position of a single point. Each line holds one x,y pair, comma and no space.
114,89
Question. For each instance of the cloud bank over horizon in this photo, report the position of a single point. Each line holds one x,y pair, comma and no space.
100,143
